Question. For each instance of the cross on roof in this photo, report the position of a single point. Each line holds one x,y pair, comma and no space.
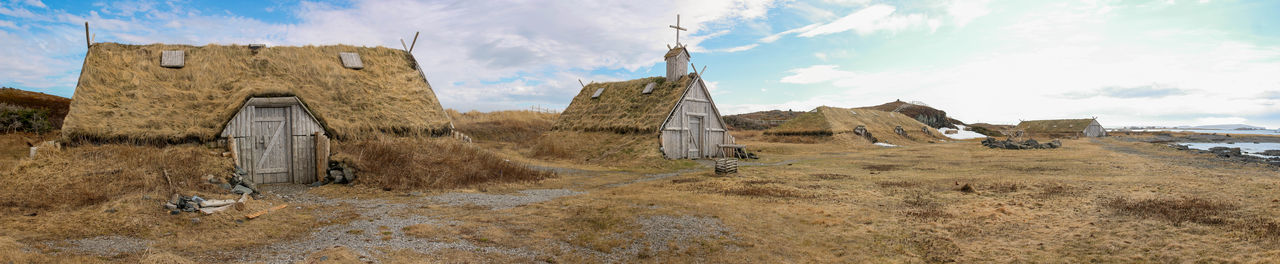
678,29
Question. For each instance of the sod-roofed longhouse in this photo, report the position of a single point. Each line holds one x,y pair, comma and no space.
1063,127
873,125
678,108
272,102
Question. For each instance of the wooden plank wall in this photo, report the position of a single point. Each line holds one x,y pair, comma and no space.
304,145
674,137
677,66
302,136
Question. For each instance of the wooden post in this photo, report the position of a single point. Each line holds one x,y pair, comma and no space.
322,155
415,41
87,41
402,45
235,151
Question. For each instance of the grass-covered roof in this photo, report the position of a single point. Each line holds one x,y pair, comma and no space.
1055,126
623,107
124,93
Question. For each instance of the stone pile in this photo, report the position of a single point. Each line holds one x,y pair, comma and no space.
1029,144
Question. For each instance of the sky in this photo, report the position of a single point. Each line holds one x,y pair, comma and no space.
1127,63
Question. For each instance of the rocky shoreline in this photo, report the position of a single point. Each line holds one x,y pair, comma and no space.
1272,157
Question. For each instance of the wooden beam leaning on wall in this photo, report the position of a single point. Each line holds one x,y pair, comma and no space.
235,152
322,156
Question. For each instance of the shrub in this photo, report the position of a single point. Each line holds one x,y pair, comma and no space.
22,119
1175,210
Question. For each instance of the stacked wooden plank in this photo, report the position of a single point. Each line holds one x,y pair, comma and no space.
726,166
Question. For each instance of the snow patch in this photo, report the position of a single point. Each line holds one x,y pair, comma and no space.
961,134
887,145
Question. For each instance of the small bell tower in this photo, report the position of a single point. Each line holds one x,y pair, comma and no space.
677,57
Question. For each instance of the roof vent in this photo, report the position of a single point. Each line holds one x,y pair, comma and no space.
649,88
597,94
351,60
172,59
255,47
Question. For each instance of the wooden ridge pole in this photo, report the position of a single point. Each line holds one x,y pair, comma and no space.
87,41
415,41
402,45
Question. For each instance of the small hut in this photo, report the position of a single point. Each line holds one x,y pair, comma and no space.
677,108
1062,128
270,105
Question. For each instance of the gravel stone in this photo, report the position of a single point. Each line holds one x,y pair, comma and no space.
503,201
383,231
104,245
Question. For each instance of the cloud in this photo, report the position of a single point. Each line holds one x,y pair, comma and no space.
1271,95
867,21
964,11
525,53
737,49
816,74
1151,91
35,3
779,35
1220,120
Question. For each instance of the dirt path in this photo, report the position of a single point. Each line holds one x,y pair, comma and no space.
378,228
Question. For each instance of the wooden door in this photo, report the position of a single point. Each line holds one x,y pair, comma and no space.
270,138
695,137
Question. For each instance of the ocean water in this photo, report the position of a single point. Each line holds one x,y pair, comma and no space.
1246,147
1210,131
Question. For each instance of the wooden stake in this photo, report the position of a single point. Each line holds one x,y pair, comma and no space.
415,41
268,210
580,83
87,41
168,180
402,45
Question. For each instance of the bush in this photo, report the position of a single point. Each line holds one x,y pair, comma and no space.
22,119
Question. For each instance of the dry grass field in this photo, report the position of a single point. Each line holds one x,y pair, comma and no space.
1094,200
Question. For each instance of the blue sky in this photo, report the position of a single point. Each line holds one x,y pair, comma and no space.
1126,62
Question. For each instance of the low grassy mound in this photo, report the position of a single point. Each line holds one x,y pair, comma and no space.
518,126
407,163
925,114
760,120
27,111
826,123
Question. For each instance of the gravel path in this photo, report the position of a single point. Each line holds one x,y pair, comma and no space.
104,245
502,201
382,230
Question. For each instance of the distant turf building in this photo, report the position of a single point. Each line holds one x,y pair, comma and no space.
1062,127
273,104
872,125
678,108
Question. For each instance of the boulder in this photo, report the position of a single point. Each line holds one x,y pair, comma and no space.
1225,152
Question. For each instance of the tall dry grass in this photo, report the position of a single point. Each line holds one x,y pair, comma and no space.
516,126
92,174
604,148
408,163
